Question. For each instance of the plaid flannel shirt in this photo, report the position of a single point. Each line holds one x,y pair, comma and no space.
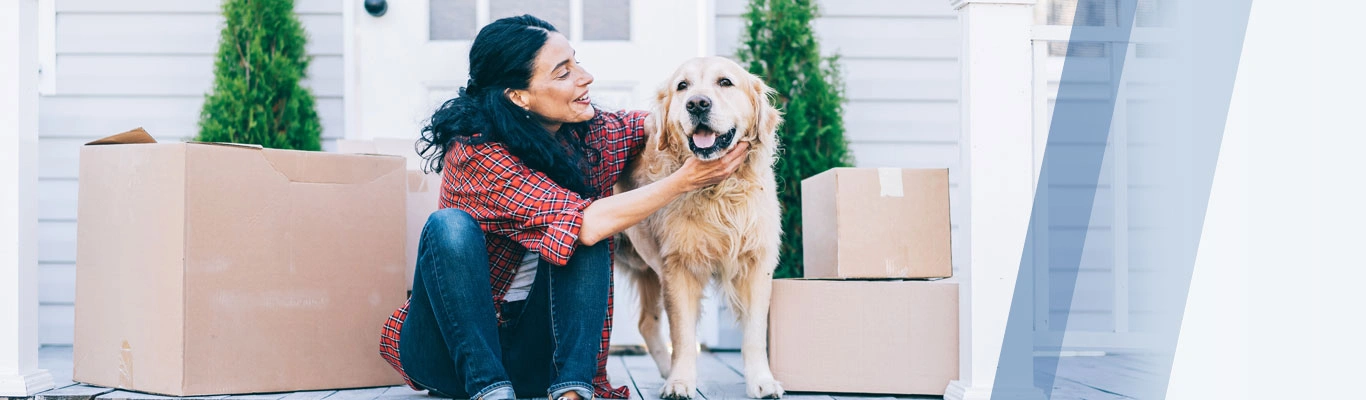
523,210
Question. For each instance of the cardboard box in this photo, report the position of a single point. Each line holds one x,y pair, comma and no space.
424,190
405,148
216,269
876,223
896,337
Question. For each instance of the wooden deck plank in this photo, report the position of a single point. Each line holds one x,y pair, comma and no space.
645,375
732,359
619,375
311,395
847,396
127,395
1114,375
806,396
720,376
1136,366
1142,362
1127,365
716,380
402,393
258,396
736,361
73,392
358,394
1110,374
1065,389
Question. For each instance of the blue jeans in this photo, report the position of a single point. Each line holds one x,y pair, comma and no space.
452,343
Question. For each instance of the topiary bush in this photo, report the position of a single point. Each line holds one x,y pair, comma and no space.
256,97
779,46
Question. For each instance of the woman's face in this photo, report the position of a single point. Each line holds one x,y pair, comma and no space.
558,93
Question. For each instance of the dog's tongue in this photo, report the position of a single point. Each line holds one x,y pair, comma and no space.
703,138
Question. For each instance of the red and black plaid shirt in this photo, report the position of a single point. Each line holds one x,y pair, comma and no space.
523,210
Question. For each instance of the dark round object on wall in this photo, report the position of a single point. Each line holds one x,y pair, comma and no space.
376,8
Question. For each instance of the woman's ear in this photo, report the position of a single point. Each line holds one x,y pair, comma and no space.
766,116
518,97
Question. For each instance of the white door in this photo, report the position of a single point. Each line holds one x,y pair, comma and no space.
406,62
403,64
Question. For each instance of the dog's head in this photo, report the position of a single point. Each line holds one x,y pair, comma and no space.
710,104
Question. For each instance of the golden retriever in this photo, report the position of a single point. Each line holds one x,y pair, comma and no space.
728,232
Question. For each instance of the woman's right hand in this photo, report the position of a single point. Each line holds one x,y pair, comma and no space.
612,214
697,174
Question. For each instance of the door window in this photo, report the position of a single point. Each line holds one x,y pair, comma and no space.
596,20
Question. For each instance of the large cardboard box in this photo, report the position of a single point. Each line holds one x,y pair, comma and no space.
876,223
217,269
897,337
424,190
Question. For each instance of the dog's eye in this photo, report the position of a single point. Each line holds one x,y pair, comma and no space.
683,85
725,82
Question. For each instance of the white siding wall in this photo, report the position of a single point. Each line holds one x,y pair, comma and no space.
900,61
148,63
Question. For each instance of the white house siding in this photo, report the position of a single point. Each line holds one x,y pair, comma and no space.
148,63
901,70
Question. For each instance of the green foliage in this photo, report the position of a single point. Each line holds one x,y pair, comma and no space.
779,47
256,96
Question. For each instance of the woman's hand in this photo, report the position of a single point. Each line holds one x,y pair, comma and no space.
696,174
612,214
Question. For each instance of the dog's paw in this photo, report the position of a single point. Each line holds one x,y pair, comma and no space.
764,388
678,389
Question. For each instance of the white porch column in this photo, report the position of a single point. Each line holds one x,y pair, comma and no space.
997,153
19,373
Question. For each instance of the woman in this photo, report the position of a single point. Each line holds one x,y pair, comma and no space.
526,215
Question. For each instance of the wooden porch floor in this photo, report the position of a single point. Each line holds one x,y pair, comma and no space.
719,377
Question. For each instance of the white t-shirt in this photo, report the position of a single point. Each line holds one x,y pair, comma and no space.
526,275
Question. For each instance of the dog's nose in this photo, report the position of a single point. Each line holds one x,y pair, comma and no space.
699,104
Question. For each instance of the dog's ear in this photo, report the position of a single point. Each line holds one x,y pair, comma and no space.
659,117
766,116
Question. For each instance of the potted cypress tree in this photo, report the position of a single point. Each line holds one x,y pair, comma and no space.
779,46
256,97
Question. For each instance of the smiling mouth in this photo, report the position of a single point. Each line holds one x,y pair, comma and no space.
706,142
582,99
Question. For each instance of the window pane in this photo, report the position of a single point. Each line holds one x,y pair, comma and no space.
556,12
1077,49
1150,50
1076,12
607,19
1153,13
451,20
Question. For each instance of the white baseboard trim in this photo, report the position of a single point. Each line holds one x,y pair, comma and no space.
25,385
958,390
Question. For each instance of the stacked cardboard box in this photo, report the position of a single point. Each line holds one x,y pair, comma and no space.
221,269
870,314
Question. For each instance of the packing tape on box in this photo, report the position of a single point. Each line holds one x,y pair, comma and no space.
889,180
126,365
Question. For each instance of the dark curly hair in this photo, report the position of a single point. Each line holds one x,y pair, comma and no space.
503,57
